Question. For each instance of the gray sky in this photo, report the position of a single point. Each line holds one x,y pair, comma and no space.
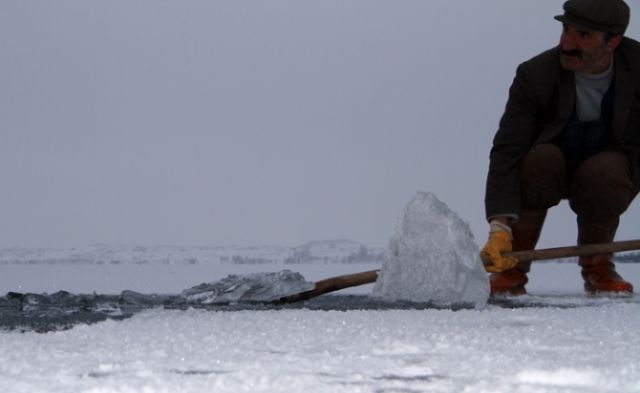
255,122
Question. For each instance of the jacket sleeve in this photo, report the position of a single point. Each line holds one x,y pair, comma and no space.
512,141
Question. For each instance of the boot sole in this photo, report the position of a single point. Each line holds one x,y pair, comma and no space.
515,291
589,288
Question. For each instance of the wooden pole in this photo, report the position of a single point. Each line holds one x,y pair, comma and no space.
333,284
571,251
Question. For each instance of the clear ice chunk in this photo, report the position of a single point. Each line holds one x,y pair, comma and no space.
432,257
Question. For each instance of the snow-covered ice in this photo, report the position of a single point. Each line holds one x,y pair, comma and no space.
554,350
432,258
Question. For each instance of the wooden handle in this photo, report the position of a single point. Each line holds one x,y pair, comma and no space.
571,251
333,284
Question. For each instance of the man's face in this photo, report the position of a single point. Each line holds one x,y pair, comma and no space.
585,50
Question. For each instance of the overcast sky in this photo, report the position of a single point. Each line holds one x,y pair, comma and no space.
151,122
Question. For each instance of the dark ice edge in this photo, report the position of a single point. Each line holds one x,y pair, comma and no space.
42,313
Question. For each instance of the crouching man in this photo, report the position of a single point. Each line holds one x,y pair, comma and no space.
570,130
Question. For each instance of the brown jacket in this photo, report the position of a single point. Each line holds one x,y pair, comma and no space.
541,102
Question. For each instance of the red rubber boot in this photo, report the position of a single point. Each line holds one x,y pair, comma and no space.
600,275
509,282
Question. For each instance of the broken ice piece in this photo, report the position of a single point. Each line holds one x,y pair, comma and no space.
254,287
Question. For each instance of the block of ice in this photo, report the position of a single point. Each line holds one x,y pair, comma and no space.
432,257
254,287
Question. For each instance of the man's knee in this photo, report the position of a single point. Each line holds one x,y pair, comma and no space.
602,188
543,177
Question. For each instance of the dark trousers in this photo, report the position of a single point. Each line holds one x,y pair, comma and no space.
599,190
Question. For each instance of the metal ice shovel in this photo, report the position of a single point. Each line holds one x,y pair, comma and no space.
351,280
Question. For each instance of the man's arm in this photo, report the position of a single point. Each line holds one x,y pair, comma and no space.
512,141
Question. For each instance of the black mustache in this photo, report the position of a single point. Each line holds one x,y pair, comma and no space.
573,53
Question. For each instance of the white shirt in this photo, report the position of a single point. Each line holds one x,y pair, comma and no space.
590,88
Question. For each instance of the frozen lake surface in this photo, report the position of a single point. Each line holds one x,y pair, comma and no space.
557,339
583,349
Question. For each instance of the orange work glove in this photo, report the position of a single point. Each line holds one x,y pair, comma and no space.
499,241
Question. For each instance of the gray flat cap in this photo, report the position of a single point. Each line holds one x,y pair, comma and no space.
610,16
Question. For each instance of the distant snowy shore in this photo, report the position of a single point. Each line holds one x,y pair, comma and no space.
332,251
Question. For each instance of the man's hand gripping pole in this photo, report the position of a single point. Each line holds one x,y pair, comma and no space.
500,241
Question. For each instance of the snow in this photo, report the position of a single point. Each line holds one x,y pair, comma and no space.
555,340
581,349
432,258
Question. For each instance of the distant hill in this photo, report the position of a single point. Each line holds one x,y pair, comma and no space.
335,251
